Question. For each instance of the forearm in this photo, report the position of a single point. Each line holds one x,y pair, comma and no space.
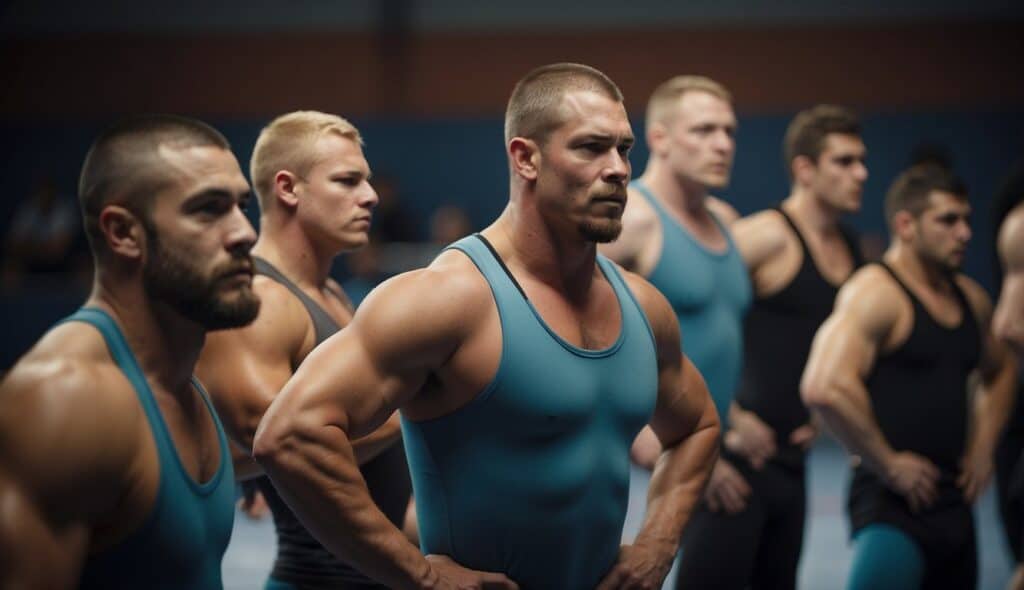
848,415
677,483
318,477
994,402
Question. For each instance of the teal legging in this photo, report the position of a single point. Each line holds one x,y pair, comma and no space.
273,584
885,557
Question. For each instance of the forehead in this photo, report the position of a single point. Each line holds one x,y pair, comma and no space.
940,202
695,105
586,112
334,151
198,168
843,144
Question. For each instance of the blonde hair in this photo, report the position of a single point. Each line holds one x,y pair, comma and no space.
287,143
670,91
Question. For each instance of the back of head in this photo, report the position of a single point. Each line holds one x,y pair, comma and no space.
533,109
289,143
124,165
806,133
911,190
668,93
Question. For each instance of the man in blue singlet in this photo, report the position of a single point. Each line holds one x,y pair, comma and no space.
312,183
890,373
674,233
114,470
524,365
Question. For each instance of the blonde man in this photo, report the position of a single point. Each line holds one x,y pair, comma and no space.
312,182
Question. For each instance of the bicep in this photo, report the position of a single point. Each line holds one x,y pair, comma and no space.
684,404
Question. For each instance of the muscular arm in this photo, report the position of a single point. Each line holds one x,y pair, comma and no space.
994,398
842,355
1008,321
244,369
346,388
64,452
686,424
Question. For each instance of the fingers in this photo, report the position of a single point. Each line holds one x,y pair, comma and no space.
712,499
494,581
803,436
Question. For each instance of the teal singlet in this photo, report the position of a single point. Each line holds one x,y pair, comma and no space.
531,478
710,292
182,541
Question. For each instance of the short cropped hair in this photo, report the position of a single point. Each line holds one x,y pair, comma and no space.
123,166
288,143
533,108
806,134
911,189
668,93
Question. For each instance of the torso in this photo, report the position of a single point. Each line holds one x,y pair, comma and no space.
795,294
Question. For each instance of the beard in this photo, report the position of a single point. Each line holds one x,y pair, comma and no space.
169,278
602,232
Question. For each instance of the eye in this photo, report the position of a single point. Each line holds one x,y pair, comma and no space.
349,181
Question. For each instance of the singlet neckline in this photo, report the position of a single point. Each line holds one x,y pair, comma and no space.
264,267
577,350
664,213
809,256
915,301
201,488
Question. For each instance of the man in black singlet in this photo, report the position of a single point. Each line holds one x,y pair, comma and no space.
311,180
889,373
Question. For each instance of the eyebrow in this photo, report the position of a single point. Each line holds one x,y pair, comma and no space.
216,193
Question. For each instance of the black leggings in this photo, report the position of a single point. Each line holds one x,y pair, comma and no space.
757,548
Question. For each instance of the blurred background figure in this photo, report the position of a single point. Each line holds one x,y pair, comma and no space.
39,240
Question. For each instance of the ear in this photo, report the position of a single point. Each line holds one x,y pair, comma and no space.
285,184
657,138
122,231
904,225
525,157
803,169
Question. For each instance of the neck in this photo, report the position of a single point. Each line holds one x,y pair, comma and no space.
812,212
289,250
165,343
674,192
902,256
526,242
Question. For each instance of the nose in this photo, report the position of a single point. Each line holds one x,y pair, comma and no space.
618,169
241,236
724,142
860,171
964,230
369,197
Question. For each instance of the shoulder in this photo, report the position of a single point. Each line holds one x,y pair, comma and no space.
760,236
655,306
442,300
68,409
872,298
639,220
726,213
977,297
1010,239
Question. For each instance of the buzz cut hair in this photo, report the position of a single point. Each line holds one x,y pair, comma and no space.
534,108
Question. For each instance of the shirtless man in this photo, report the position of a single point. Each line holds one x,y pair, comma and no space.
889,373
1008,325
797,254
524,365
114,470
312,183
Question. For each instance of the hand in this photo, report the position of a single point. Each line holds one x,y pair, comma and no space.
727,489
452,576
976,469
253,504
639,566
804,436
913,477
750,437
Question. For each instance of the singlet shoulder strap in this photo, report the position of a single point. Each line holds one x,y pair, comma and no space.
899,281
796,230
323,324
624,293
851,237
125,359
